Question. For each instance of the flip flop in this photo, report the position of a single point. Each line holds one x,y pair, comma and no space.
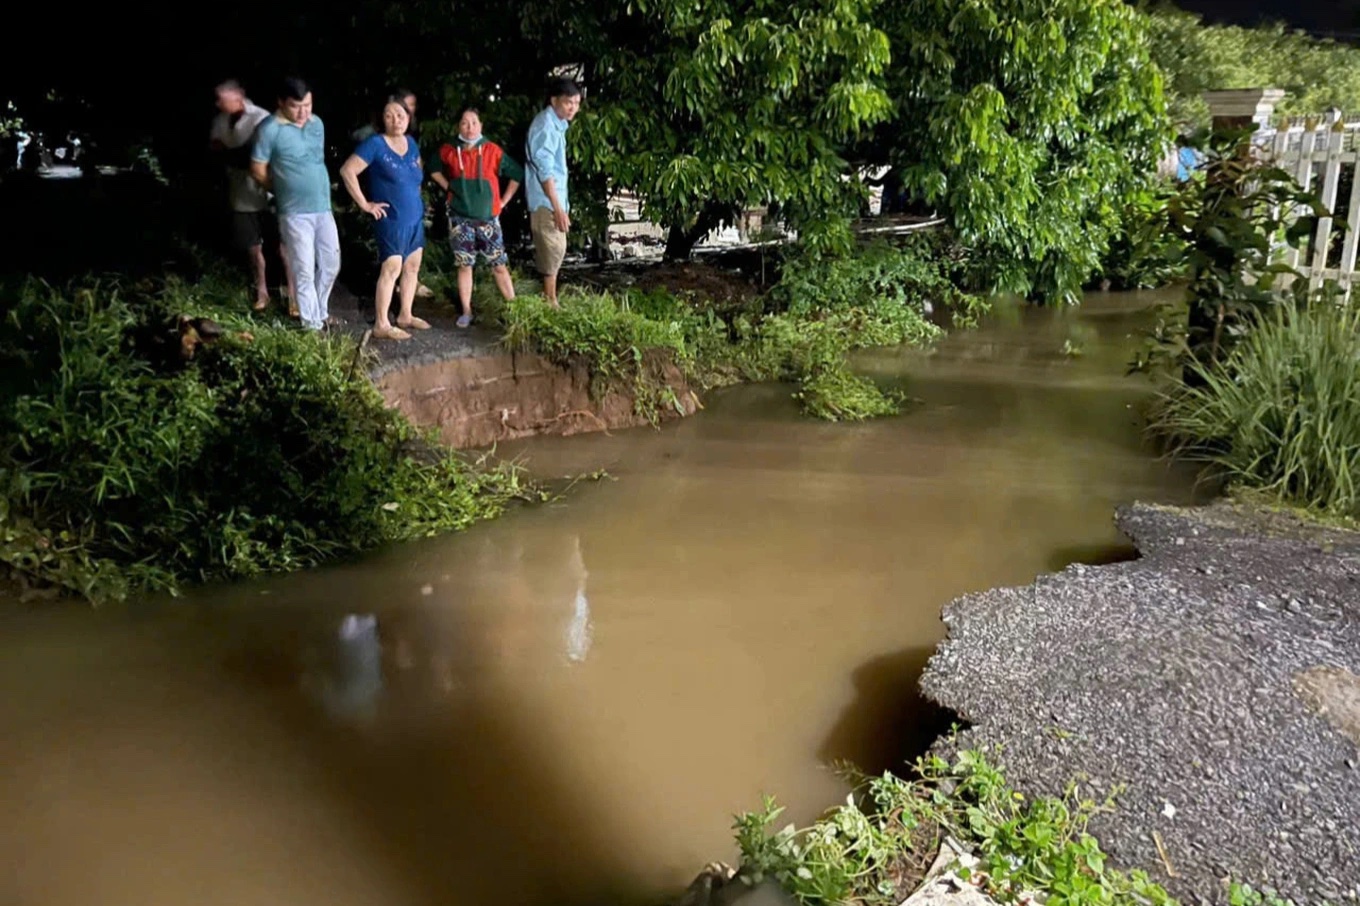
416,323
465,320
392,333
260,304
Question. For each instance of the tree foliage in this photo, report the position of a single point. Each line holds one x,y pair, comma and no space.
1029,123
703,109
1196,58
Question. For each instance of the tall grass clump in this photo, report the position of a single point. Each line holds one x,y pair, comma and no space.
124,467
1282,412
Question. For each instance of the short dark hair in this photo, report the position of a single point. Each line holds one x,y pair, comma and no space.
403,93
563,87
293,88
464,111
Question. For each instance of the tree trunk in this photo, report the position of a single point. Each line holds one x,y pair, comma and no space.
680,242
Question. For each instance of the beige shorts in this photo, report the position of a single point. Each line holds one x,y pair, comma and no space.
550,243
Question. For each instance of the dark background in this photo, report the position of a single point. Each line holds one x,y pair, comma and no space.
130,78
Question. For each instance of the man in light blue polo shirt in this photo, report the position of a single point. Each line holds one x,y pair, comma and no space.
289,158
545,188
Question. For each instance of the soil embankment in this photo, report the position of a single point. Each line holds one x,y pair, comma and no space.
476,392
1215,676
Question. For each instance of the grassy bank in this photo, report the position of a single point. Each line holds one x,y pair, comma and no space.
126,464
801,330
145,448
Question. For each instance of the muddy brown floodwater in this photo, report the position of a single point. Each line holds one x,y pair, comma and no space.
568,705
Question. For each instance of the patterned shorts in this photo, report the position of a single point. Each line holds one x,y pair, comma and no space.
471,238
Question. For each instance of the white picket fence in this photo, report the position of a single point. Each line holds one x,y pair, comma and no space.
1323,153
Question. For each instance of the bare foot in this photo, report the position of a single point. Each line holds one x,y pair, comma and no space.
390,333
414,322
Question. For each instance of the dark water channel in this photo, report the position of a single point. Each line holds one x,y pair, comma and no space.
568,705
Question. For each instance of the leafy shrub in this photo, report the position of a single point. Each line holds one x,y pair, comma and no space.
878,845
1234,220
1282,411
122,468
1146,253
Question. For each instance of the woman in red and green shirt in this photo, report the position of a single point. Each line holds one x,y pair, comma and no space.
473,172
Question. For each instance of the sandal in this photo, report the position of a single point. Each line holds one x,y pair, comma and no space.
465,320
390,333
260,304
417,323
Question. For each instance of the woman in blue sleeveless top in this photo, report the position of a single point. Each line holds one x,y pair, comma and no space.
392,161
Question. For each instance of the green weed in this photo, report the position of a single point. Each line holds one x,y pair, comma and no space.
123,468
877,846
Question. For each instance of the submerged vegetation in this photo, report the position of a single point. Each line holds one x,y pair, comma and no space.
141,453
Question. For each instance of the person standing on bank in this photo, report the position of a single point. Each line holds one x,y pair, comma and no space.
233,130
473,173
289,159
546,192
395,174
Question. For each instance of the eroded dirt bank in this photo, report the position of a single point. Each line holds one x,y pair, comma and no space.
1216,676
476,400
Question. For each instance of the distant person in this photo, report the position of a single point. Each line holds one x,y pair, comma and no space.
289,158
473,169
395,173
546,191
231,137
1188,159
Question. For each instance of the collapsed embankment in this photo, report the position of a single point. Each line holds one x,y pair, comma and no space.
494,395
1215,677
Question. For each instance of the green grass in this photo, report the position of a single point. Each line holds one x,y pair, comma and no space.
1282,413
122,471
822,309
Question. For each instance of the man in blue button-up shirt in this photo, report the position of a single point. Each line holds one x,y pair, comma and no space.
546,185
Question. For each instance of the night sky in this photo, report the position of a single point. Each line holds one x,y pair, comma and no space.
1322,15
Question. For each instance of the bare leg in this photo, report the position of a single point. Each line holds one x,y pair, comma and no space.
503,282
257,274
550,290
382,297
410,280
465,289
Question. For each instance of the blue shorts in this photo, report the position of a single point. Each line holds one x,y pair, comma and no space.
397,239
